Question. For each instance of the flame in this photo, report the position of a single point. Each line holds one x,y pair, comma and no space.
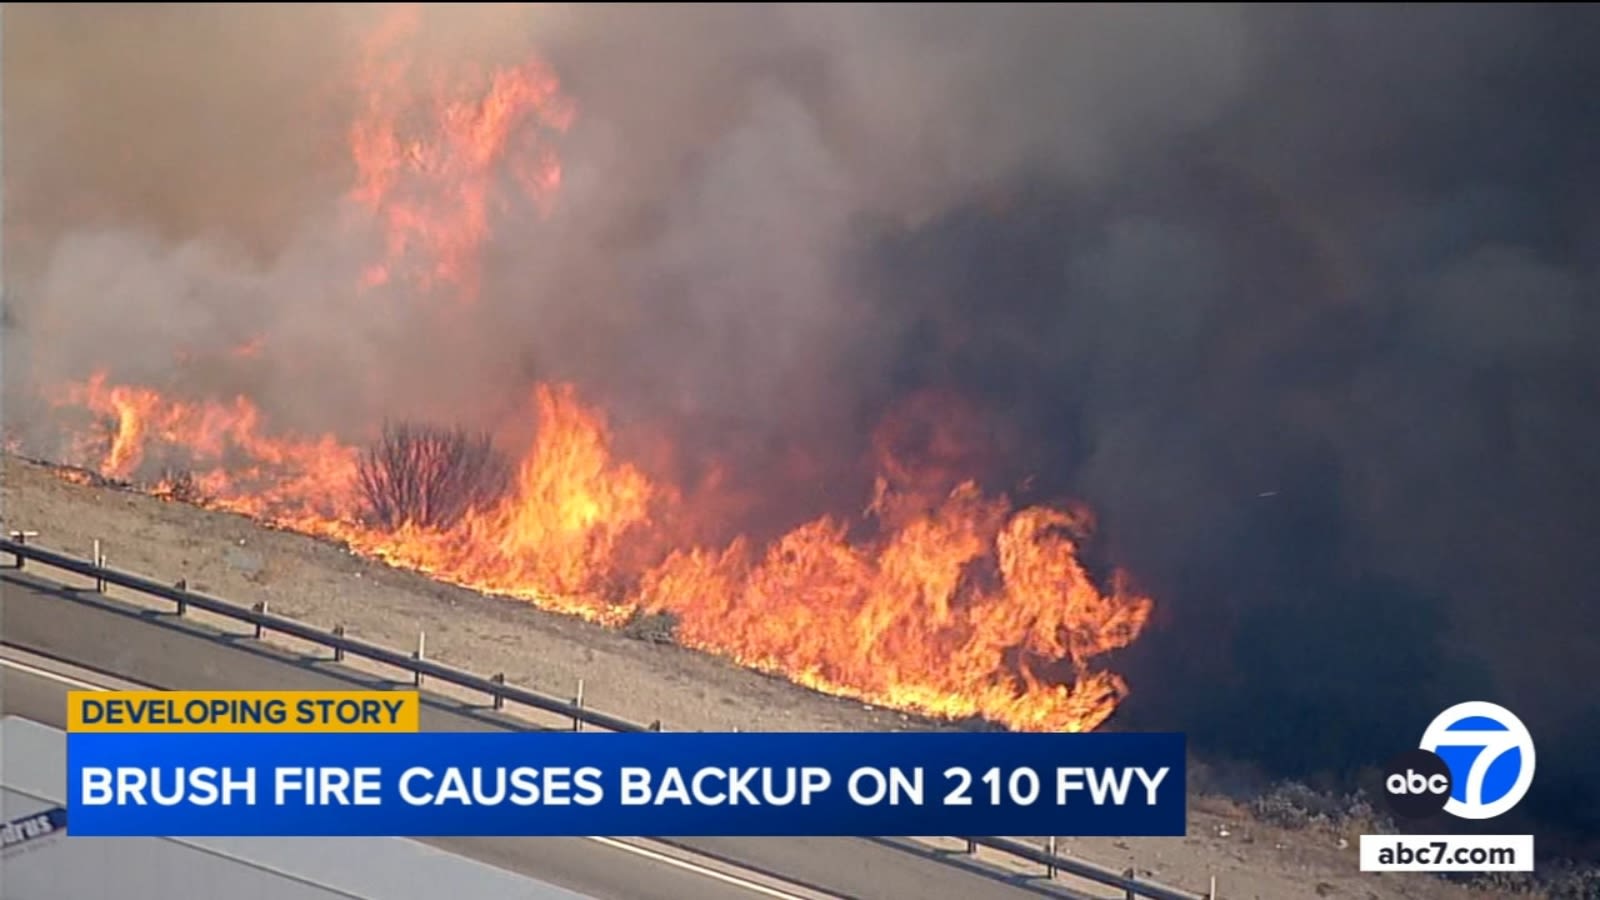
942,600
969,607
428,166
553,541
897,622
219,447
250,349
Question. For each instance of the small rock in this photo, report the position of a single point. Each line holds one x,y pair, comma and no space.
1325,889
1344,844
1120,845
1222,831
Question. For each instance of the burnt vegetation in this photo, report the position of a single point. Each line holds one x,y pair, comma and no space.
652,627
179,485
430,477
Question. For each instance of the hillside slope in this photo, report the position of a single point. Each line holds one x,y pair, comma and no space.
313,581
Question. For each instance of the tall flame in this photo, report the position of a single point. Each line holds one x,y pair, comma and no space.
428,165
945,600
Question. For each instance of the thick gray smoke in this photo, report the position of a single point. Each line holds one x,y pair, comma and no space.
179,176
1298,299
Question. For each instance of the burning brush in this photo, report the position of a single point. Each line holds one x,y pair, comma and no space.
955,603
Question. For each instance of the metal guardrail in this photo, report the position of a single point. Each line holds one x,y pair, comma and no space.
500,693
1054,863
341,645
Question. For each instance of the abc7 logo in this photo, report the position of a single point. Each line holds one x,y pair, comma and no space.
1476,762
1417,783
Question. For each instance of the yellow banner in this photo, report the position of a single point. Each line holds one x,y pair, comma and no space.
243,711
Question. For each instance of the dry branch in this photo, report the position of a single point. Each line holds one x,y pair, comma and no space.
430,477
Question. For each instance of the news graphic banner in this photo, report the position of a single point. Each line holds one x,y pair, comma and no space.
243,711
362,781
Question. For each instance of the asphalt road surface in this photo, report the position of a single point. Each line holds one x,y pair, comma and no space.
84,628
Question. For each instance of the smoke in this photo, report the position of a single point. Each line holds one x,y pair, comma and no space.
1297,299
1326,366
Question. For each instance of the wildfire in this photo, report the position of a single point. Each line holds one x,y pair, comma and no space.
954,611
943,600
429,164
218,451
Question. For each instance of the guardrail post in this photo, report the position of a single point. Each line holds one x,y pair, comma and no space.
577,723
21,537
261,609
1131,893
338,650
499,698
99,563
1050,848
1212,893
419,656
972,847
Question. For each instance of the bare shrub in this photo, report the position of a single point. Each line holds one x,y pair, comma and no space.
1295,805
430,477
1504,884
1569,880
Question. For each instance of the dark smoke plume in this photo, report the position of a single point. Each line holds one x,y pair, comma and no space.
1301,300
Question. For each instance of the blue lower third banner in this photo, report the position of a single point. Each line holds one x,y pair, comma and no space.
671,784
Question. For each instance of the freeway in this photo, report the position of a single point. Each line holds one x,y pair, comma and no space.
159,650
36,688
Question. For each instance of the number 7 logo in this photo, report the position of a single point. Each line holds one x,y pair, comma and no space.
1490,755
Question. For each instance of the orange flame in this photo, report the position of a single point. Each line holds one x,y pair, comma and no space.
951,611
954,603
250,349
431,185
294,482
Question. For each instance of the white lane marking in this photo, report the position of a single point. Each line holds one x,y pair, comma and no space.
53,676
697,869
663,858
